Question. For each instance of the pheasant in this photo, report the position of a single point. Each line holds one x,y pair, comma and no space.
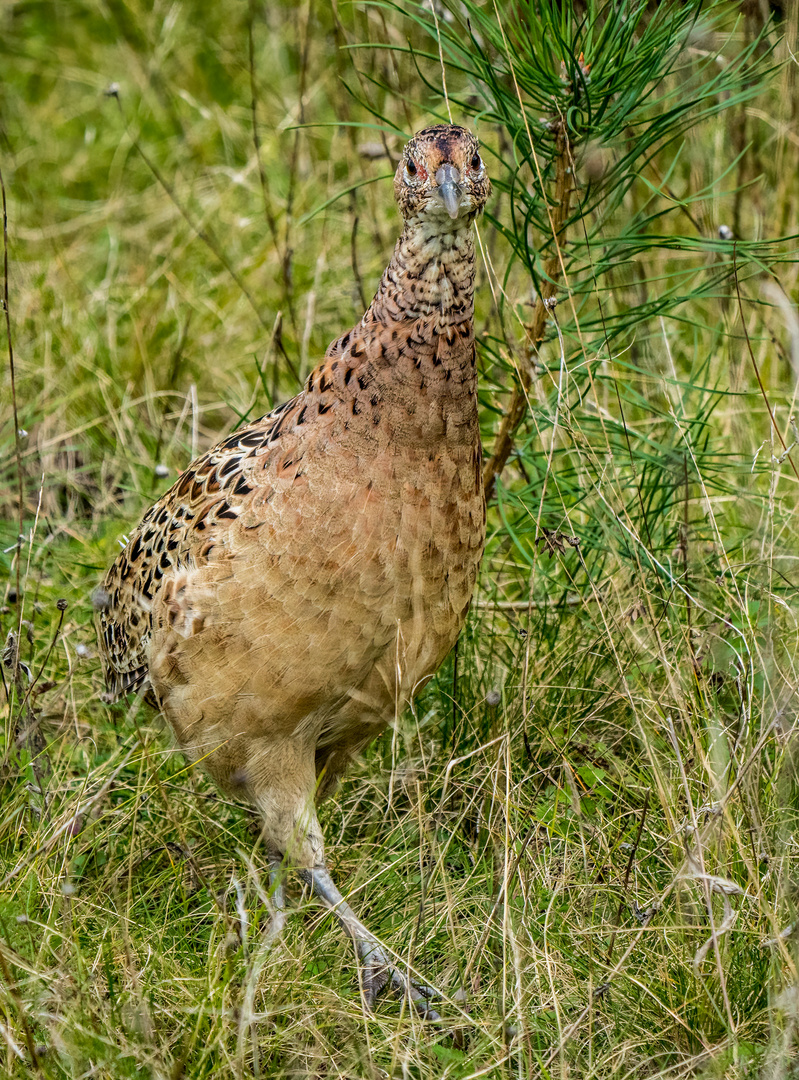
302,580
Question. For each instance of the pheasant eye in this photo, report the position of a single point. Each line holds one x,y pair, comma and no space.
476,162
411,167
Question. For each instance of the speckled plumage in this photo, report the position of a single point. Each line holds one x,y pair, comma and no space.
304,578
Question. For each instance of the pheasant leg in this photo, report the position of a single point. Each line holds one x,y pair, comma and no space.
377,970
278,891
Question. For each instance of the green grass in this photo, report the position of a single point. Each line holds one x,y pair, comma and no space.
587,839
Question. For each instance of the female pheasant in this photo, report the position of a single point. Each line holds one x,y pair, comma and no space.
302,580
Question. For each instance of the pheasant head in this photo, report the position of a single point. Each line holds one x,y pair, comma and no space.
441,177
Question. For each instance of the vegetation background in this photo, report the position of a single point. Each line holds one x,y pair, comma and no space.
585,832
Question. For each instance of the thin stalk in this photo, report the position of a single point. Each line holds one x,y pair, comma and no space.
517,407
256,139
786,449
203,234
17,436
14,994
303,27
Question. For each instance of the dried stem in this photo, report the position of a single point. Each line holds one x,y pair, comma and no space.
256,139
202,233
630,861
16,997
26,729
12,373
303,44
503,443
786,449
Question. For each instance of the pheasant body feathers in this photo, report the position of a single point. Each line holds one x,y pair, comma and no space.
301,580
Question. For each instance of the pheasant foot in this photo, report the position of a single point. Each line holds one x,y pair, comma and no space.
377,970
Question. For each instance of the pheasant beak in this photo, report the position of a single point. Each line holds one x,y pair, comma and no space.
449,189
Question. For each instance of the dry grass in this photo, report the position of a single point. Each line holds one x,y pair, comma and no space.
591,850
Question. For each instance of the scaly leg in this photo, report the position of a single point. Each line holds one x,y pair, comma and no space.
378,971
278,889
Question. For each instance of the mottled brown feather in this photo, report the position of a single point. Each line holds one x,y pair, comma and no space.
301,580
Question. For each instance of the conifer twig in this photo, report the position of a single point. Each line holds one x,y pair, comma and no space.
503,443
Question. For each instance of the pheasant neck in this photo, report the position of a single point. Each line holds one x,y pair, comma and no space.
430,277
